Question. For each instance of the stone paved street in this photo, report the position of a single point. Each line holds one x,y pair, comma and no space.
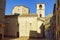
24,39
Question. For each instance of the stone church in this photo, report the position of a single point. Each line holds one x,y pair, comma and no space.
23,24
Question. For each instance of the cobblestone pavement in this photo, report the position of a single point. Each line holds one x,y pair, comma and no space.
6,38
24,39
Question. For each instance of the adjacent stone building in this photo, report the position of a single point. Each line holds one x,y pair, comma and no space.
57,19
2,13
11,26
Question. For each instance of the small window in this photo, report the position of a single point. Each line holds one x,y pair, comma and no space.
40,15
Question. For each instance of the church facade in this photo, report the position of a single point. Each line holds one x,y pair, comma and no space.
23,24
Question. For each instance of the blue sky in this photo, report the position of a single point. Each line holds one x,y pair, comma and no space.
31,4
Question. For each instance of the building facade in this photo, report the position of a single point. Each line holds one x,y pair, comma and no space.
29,25
2,13
11,26
57,19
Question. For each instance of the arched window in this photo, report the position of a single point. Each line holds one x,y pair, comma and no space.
40,6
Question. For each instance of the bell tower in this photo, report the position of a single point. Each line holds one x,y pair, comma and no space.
40,10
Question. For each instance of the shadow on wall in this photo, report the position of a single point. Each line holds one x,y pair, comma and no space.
53,27
36,35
